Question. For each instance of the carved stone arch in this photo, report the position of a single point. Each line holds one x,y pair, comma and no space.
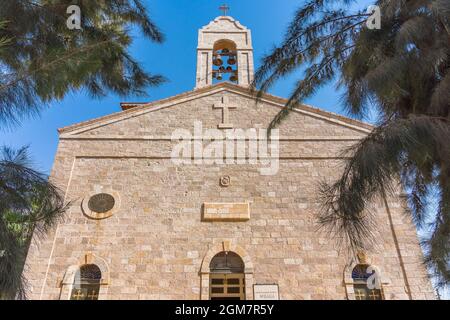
224,43
69,276
230,246
226,246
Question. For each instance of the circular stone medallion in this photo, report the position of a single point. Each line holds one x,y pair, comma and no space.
101,202
225,181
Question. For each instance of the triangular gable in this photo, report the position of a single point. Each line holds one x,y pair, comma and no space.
141,109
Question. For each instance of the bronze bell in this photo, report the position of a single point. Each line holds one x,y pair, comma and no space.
225,50
217,60
234,77
229,69
222,69
219,76
232,60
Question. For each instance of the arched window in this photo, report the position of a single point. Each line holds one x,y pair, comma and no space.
364,284
226,278
225,61
86,285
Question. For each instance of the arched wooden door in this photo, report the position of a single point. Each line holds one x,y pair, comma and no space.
226,278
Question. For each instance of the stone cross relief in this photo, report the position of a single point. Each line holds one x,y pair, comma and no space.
225,106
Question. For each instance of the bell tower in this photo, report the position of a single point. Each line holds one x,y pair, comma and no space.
224,53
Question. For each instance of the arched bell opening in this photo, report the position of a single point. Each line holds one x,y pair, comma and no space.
225,64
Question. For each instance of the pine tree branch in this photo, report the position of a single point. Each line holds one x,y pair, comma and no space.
323,23
23,76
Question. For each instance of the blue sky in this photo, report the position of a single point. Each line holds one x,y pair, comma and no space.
175,59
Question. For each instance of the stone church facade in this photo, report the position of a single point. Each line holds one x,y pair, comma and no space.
146,224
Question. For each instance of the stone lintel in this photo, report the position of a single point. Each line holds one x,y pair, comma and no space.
222,212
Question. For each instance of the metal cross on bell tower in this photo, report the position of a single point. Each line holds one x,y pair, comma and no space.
224,8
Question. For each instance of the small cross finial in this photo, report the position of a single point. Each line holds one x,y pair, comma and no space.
224,8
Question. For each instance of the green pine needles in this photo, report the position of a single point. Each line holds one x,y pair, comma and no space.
44,59
41,61
402,72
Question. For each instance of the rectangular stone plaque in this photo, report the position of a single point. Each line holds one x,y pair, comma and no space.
226,211
266,292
